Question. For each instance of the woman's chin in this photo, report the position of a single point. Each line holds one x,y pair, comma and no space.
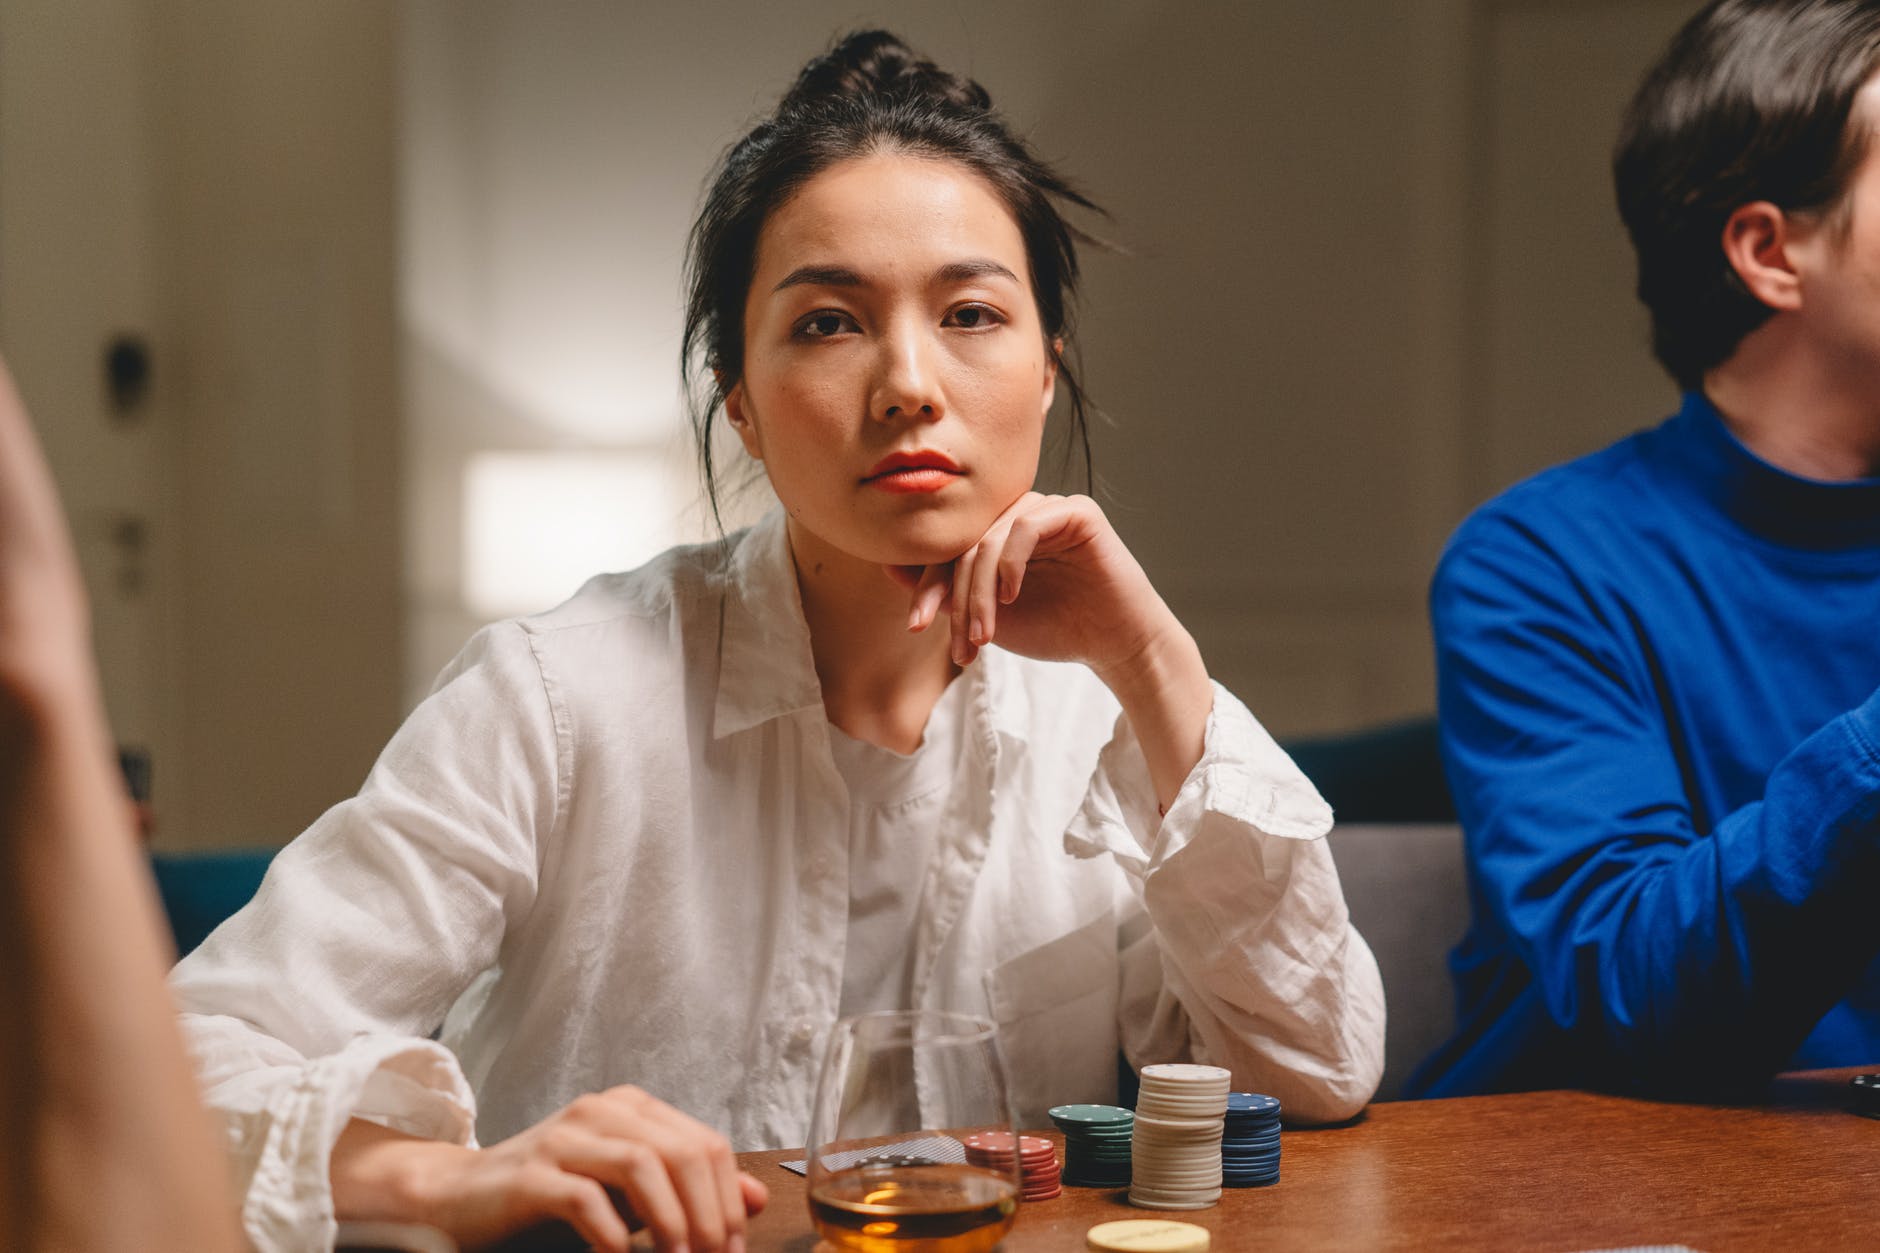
927,548
919,540
922,541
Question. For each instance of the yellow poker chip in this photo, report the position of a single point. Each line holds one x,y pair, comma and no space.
1147,1235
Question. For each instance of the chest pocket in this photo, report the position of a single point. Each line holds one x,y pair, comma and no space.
1055,1007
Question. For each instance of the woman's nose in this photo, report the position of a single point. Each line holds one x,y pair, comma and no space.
908,384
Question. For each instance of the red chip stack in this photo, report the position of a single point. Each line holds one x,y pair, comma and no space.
1036,1159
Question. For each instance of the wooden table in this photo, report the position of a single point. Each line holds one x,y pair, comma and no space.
1538,1170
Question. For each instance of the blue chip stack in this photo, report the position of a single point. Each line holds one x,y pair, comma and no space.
1250,1141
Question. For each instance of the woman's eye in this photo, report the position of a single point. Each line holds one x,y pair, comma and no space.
974,317
825,323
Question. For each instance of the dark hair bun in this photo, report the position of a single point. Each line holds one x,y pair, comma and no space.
875,64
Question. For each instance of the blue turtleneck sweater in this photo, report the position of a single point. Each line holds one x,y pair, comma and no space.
1657,682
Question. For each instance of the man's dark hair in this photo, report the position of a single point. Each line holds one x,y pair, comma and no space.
867,94
1751,101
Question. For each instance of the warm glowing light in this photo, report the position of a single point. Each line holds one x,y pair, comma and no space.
538,525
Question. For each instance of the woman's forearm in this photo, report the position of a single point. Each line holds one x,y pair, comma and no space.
1167,696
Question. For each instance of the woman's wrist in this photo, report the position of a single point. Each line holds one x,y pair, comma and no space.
1167,696
380,1175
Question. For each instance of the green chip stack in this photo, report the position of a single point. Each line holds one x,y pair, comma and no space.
1096,1144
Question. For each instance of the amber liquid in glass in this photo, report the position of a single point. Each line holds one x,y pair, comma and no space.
914,1209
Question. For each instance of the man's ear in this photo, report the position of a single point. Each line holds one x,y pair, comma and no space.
1767,248
741,422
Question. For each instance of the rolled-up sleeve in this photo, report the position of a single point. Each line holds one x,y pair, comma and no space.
311,1006
1250,960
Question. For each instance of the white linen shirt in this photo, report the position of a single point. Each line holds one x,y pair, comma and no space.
897,803
611,847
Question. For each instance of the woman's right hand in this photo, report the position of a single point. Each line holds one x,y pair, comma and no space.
671,1174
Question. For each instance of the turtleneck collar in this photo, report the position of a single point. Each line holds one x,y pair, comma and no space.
1699,451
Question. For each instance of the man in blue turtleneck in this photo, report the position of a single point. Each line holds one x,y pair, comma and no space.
1658,665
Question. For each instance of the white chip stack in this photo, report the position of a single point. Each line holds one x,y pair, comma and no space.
1175,1150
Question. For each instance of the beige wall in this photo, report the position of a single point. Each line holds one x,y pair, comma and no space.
217,176
276,167
1371,275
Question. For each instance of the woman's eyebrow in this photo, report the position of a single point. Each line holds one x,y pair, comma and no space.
842,276
819,276
967,271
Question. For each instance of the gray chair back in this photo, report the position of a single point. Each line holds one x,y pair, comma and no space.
1409,899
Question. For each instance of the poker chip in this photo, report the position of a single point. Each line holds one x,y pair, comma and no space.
1185,1201
1092,1116
1865,1099
1032,1158
1097,1144
1142,1235
1252,1104
1176,1141
1185,1073
1250,1141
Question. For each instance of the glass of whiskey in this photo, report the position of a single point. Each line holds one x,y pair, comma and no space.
897,1095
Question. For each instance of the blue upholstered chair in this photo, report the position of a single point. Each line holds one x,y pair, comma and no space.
199,890
1391,773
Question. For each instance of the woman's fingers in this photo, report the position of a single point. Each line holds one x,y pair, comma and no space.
1021,543
577,1200
666,1164
702,1167
642,1176
930,592
608,1162
984,594
992,572
960,619
730,1196
1002,556
756,1195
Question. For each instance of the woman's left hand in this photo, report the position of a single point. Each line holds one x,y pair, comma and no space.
1051,579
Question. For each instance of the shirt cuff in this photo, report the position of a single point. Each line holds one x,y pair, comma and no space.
414,1086
1243,775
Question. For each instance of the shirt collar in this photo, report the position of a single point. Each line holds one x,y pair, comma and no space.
765,667
1765,499
1000,700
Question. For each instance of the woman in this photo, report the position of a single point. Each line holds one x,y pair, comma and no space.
665,833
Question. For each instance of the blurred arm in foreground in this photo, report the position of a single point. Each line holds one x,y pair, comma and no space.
103,1143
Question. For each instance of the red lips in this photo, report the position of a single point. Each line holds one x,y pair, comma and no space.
920,471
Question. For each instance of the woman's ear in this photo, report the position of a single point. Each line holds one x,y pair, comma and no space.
1051,373
1768,249
741,422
